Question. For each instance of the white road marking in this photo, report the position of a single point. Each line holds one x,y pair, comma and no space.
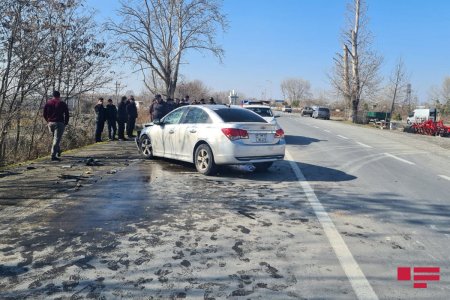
316,127
445,177
341,136
400,159
327,131
358,280
364,145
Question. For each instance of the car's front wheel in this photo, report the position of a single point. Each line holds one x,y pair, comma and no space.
145,145
204,160
262,166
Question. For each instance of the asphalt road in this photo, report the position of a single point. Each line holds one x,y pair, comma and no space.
393,188
370,201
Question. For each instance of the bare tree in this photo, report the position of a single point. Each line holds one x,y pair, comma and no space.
397,84
295,89
195,89
157,33
440,97
39,52
355,71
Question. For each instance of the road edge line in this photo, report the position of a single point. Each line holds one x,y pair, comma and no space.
444,177
355,275
399,159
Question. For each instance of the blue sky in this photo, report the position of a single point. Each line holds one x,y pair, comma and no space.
271,40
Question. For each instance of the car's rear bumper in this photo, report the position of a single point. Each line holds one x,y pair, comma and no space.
235,153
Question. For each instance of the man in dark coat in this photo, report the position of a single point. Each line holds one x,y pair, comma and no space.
100,118
111,119
132,115
158,109
170,105
122,118
56,113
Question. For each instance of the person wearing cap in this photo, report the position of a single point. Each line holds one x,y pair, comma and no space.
56,114
111,119
100,118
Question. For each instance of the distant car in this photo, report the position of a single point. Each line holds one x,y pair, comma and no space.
307,111
265,112
286,108
321,112
212,135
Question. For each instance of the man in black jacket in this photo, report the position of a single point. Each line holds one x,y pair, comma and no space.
122,118
100,113
132,115
158,109
111,119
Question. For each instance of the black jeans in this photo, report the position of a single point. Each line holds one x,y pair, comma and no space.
121,130
99,125
112,128
130,126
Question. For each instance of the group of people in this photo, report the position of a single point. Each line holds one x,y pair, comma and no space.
159,108
125,114
56,114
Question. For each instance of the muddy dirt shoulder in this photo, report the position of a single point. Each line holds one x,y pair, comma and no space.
43,180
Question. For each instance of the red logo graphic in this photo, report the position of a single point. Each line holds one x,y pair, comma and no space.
421,275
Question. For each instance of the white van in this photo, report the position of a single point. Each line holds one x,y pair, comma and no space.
422,114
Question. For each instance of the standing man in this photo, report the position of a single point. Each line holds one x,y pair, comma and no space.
100,113
56,113
122,118
132,115
111,119
158,109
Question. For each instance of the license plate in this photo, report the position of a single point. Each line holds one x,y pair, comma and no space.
261,138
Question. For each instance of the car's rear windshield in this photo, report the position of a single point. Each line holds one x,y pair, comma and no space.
262,111
233,115
324,109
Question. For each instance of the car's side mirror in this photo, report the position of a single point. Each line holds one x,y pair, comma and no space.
158,122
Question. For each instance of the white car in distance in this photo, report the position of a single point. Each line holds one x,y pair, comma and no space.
265,112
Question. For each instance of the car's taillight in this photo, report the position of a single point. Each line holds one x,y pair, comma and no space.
235,133
279,133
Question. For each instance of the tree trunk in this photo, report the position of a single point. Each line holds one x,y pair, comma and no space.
356,93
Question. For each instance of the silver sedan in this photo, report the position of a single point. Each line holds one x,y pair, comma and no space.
212,135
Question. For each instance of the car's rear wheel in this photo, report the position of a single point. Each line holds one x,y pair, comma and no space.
204,160
145,145
262,166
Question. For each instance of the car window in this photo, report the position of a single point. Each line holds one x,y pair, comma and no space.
231,115
196,115
174,117
262,111
324,109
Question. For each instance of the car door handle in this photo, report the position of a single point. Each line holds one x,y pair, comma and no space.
193,130
171,131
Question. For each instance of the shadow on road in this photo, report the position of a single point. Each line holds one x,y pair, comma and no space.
391,207
319,173
301,140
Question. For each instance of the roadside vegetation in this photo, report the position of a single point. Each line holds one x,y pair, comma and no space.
51,45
